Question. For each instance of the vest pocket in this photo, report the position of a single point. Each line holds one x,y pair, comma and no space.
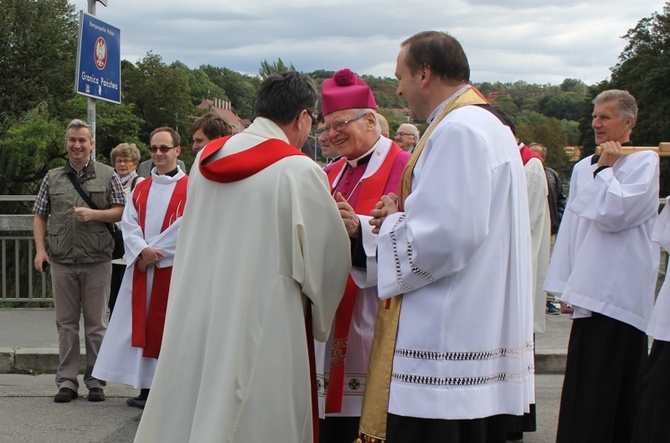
98,195
60,202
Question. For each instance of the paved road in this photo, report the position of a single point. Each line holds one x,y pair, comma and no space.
29,343
29,415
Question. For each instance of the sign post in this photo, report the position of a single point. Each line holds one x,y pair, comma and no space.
98,74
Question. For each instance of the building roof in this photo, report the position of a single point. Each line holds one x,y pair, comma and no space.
223,108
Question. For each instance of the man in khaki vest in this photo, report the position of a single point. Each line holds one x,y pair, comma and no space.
80,254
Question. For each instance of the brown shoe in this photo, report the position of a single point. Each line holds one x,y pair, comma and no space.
65,395
96,394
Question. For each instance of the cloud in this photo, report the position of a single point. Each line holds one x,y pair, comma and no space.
534,41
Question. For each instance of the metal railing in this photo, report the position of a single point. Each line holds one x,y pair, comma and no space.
19,281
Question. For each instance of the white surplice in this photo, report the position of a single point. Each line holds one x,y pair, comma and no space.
251,256
118,361
460,253
540,233
659,324
365,309
604,260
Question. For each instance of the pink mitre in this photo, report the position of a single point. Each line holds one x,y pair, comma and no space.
345,91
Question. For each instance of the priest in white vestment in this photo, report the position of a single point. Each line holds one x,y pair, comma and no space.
454,267
262,261
150,225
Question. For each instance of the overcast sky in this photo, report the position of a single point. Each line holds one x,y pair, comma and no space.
536,41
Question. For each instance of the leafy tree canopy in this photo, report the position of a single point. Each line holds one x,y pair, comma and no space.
267,69
29,147
38,43
644,71
35,34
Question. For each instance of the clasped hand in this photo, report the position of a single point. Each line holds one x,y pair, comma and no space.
149,257
386,206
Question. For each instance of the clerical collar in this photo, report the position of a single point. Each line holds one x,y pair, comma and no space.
596,157
363,159
171,173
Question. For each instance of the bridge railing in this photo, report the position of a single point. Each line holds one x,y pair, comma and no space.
20,283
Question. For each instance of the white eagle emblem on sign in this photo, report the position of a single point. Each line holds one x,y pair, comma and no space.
100,53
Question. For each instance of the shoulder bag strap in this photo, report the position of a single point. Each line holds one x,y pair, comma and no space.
88,200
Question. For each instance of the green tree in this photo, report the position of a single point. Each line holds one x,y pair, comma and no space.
38,43
644,71
384,90
267,69
532,127
321,74
564,105
202,87
485,88
572,130
240,88
116,124
553,134
506,104
29,147
161,95
574,85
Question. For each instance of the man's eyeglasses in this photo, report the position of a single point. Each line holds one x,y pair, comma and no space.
340,125
163,149
403,134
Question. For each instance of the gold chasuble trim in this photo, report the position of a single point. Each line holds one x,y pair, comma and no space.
374,413
376,397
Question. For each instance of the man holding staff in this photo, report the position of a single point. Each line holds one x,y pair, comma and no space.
605,265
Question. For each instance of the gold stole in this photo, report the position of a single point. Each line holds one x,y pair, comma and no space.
375,402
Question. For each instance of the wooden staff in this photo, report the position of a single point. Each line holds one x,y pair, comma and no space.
663,149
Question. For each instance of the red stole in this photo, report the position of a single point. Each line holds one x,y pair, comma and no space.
148,327
237,167
243,164
371,190
527,154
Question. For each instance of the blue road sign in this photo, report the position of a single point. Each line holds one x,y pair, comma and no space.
98,60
